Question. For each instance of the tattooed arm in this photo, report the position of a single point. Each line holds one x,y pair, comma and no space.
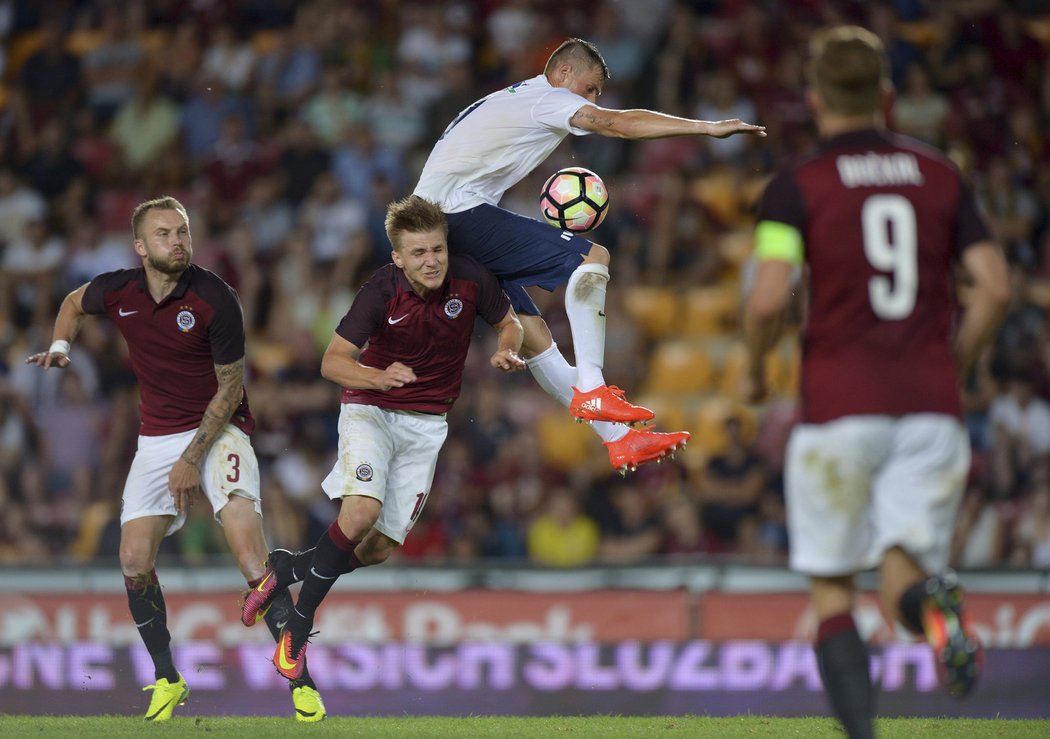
649,124
184,480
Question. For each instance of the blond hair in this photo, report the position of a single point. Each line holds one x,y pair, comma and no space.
164,202
849,69
413,215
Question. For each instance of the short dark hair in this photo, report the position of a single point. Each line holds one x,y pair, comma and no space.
576,51
413,215
848,68
164,202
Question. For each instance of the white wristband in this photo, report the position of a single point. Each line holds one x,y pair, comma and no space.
59,346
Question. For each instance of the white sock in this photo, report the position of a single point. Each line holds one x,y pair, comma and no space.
555,375
585,307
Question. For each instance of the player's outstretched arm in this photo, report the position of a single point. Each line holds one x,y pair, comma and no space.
511,334
650,124
340,365
67,325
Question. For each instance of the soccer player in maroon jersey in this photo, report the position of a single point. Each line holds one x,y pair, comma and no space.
416,317
185,334
875,470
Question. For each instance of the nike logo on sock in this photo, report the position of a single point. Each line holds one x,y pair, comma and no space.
146,623
315,573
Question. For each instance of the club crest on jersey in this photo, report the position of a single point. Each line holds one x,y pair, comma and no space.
364,472
185,320
453,307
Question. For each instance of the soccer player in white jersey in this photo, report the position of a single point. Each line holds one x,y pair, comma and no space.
491,146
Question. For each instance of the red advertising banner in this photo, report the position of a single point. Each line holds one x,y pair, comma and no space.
1002,619
481,615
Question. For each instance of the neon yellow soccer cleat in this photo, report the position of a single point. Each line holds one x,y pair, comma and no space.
166,696
308,704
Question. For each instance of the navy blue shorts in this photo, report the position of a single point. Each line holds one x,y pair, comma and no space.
522,252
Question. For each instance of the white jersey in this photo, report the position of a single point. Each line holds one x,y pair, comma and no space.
496,142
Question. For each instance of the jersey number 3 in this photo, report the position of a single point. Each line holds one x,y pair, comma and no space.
891,246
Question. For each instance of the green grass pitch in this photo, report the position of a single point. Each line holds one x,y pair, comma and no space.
501,727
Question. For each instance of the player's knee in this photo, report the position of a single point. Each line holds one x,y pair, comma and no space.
135,561
376,549
598,255
355,520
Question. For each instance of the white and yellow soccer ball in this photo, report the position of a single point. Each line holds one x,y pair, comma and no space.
574,199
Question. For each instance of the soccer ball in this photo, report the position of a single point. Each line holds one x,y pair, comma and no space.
574,199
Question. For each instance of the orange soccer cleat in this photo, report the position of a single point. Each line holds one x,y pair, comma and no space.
956,647
606,403
290,656
642,445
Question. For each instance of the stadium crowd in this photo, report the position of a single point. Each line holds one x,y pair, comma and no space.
286,127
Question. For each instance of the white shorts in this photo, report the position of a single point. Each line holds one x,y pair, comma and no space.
859,485
229,469
390,456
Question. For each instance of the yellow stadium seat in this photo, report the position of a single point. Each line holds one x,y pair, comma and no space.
656,310
680,367
563,442
710,311
670,411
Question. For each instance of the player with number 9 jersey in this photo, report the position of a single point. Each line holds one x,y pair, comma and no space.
878,219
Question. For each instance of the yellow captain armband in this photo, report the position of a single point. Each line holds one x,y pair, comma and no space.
779,241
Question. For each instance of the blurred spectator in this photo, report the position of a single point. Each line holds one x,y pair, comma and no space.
919,109
110,67
50,77
288,73
1032,532
234,162
52,168
203,115
633,533
269,217
979,538
19,204
1008,204
229,58
334,219
1020,423
361,161
730,487
29,278
301,162
334,108
683,530
983,101
562,535
146,124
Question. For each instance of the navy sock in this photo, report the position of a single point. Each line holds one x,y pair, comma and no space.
333,556
843,662
146,603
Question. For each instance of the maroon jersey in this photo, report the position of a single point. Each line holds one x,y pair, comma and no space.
175,344
882,219
429,335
